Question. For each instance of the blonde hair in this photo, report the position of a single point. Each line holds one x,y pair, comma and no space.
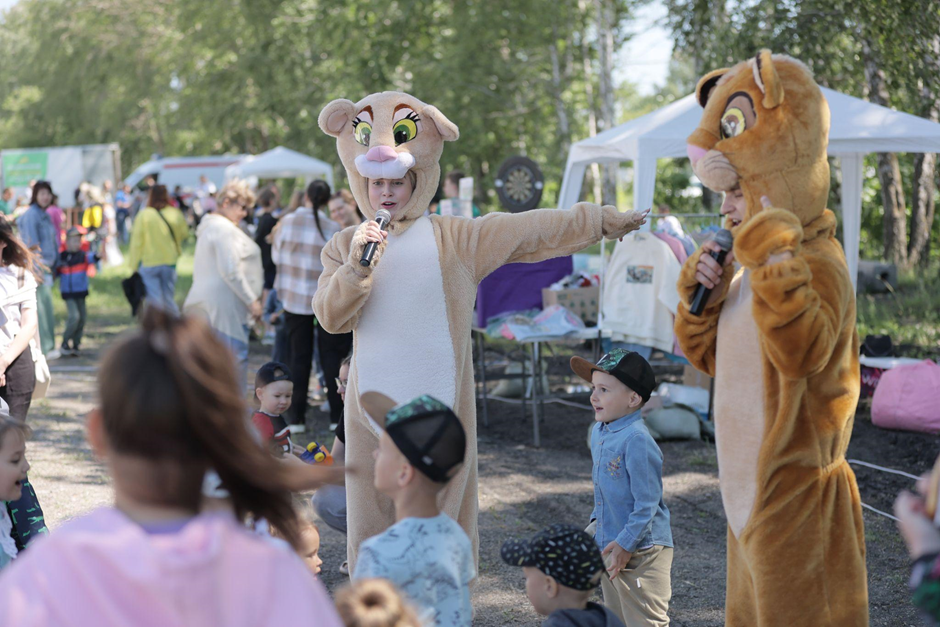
236,190
374,603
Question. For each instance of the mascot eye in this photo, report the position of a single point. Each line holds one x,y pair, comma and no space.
739,115
405,129
362,131
733,123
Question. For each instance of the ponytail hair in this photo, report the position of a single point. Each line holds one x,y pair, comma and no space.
16,254
170,395
319,194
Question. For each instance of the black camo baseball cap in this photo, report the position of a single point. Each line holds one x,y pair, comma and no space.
628,367
563,552
425,430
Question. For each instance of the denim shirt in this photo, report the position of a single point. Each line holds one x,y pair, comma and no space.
36,229
628,486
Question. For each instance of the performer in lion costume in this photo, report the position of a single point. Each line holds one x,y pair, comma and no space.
781,342
411,309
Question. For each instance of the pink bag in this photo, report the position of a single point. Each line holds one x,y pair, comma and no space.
908,398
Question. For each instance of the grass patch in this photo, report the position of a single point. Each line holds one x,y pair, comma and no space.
108,309
910,316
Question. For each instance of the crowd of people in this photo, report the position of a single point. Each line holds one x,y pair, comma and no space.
208,525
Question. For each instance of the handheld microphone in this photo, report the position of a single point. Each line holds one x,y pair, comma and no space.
383,217
725,241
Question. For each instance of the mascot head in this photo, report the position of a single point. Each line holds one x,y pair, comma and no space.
766,128
384,136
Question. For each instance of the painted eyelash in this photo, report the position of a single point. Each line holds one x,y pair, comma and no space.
356,122
413,117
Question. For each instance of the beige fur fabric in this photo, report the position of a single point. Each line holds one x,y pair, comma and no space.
466,251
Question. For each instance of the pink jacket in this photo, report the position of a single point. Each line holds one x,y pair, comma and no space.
103,570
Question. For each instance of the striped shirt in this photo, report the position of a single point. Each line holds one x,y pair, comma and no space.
296,253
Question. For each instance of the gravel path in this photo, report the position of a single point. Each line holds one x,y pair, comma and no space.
521,490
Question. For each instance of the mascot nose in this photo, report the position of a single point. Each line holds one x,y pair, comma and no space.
381,154
695,153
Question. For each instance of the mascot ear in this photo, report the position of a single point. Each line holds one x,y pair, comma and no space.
335,116
765,75
445,127
706,84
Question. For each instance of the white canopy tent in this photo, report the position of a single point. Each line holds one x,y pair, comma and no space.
858,127
280,163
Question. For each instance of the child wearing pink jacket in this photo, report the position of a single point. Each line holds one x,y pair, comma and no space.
170,408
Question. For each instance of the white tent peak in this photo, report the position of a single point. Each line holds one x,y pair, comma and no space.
280,162
857,127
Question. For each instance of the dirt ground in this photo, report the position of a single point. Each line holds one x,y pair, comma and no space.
523,489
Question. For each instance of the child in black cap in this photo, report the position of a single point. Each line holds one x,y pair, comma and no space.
274,390
630,521
562,567
425,553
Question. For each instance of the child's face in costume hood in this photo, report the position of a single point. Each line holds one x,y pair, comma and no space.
385,135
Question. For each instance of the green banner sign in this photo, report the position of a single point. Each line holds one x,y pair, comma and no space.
19,168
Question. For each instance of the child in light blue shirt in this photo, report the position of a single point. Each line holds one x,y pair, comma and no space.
630,520
426,554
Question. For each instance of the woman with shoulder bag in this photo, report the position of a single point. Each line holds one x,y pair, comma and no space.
19,324
156,245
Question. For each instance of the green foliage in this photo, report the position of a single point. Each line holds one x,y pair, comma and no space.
187,77
910,316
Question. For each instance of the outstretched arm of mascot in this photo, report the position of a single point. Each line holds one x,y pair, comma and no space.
484,244
801,293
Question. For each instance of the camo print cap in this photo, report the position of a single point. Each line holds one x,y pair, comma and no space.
628,367
425,430
563,552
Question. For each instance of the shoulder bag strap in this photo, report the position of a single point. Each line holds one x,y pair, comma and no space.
170,229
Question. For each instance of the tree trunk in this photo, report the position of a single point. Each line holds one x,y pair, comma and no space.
889,172
595,177
605,36
925,170
564,128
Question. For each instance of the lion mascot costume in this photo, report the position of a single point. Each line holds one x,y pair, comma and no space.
781,342
411,309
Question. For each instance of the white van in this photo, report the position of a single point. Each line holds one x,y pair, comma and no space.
183,171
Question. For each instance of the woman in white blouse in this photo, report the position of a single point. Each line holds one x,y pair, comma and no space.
18,327
227,273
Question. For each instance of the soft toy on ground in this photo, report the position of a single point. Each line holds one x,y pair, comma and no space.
411,309
781,342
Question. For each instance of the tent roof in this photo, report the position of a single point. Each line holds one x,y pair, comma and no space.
280,162
857,126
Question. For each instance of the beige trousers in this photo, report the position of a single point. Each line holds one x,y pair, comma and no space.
640,594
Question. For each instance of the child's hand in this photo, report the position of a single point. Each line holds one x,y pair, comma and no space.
921,536
619,558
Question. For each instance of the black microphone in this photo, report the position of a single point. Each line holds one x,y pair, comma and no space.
725,241
383,217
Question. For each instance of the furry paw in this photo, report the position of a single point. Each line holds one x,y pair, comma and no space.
770,232
615,225
358,246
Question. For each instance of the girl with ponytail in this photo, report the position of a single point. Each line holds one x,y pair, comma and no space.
170,409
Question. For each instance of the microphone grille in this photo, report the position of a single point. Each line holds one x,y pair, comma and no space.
383,214
724,239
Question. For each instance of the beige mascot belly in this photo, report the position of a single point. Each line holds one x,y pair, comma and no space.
393,344
739,408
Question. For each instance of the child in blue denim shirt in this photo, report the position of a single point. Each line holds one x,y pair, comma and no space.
630,521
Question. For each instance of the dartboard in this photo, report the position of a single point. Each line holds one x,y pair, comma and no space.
519,184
